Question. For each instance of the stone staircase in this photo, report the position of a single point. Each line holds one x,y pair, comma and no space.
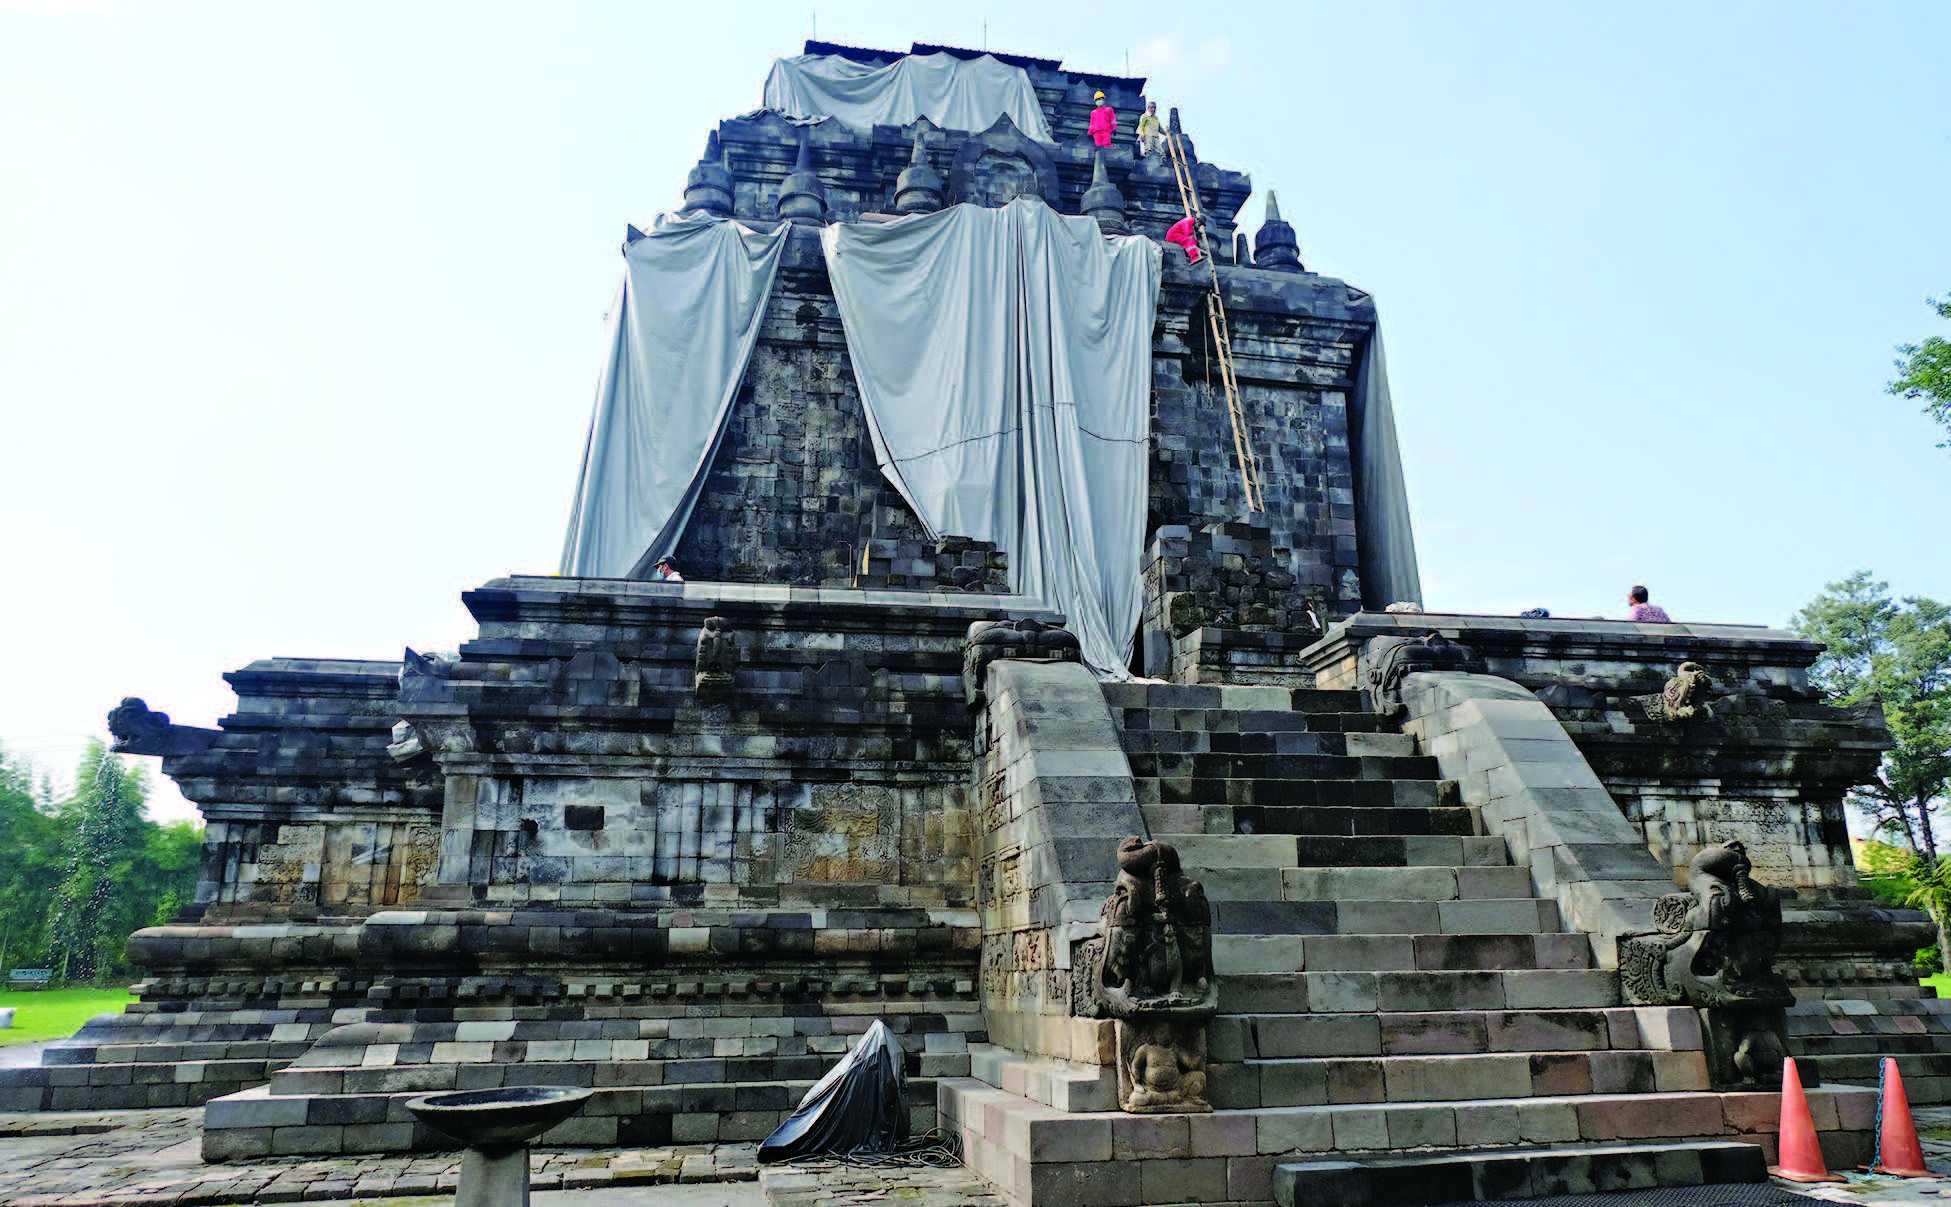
1387,981
1845,1040
719,1058
157,1053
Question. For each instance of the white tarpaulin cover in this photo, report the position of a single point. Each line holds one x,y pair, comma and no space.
955,94
1005,359
1387,542
682,328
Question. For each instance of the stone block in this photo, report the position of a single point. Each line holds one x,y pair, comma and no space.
1188,1180
1070,1140
1419,1126
1293,1129
1150,1137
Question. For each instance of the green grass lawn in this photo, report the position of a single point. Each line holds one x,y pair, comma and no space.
1941,982
56,1013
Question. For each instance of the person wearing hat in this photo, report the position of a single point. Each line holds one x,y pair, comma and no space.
1151,132
666,571
1104,121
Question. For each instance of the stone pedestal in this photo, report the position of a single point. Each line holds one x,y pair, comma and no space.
493,1178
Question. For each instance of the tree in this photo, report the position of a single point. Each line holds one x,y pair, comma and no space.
105,829
1899,655
30,866
1924,371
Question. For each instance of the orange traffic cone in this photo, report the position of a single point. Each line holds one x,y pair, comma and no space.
1897,1149
1801,1155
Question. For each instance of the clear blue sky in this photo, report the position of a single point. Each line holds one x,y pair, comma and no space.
300,304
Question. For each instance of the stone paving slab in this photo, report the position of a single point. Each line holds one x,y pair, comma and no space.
828,1185
122,1158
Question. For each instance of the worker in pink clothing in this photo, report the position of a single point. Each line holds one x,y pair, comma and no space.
1104,121
1182,234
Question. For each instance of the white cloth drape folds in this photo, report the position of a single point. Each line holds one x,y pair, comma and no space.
1004,359
1387,540
955,94
681,331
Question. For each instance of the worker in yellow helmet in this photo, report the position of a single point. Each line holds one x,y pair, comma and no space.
1104,121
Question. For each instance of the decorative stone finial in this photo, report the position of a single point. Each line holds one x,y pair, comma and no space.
709,186
1241,255
919,189
1027,638
1275,245
802,198
1172,121
139,729
1387,661
1103,201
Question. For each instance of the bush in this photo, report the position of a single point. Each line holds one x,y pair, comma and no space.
1928,961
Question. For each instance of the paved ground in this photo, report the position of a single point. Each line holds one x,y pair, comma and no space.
145,1158
125,1158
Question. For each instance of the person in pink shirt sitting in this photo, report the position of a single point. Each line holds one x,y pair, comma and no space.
1104,122
1651,613
1182,234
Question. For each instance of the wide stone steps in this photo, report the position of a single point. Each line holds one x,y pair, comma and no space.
594,1071
1410,992
1317,820
1315,1081
126,1085
1264,953
1406,884
1269,1034
1456,1177
1039,1154
1483,916
261,1122
1283,741
1224,769
1198,852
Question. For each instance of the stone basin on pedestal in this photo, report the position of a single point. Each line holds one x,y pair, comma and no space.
496,1127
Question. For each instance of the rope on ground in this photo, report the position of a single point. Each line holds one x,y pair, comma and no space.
933,1149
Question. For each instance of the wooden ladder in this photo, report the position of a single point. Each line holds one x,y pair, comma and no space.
1216,328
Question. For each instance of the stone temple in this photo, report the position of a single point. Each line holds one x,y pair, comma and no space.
1307,891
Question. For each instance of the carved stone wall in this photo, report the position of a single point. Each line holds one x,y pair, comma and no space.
1055,796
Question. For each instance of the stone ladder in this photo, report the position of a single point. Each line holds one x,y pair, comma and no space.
1387,981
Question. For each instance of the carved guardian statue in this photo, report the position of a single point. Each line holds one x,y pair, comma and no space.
717,662
1152,971
1713,948
1683,698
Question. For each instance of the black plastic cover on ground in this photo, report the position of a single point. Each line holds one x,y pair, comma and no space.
858,1107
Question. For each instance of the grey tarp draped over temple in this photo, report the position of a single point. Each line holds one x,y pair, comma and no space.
683,325
1004,359
1388,543
955,94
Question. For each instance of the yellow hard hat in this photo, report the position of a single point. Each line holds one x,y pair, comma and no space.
1097,96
